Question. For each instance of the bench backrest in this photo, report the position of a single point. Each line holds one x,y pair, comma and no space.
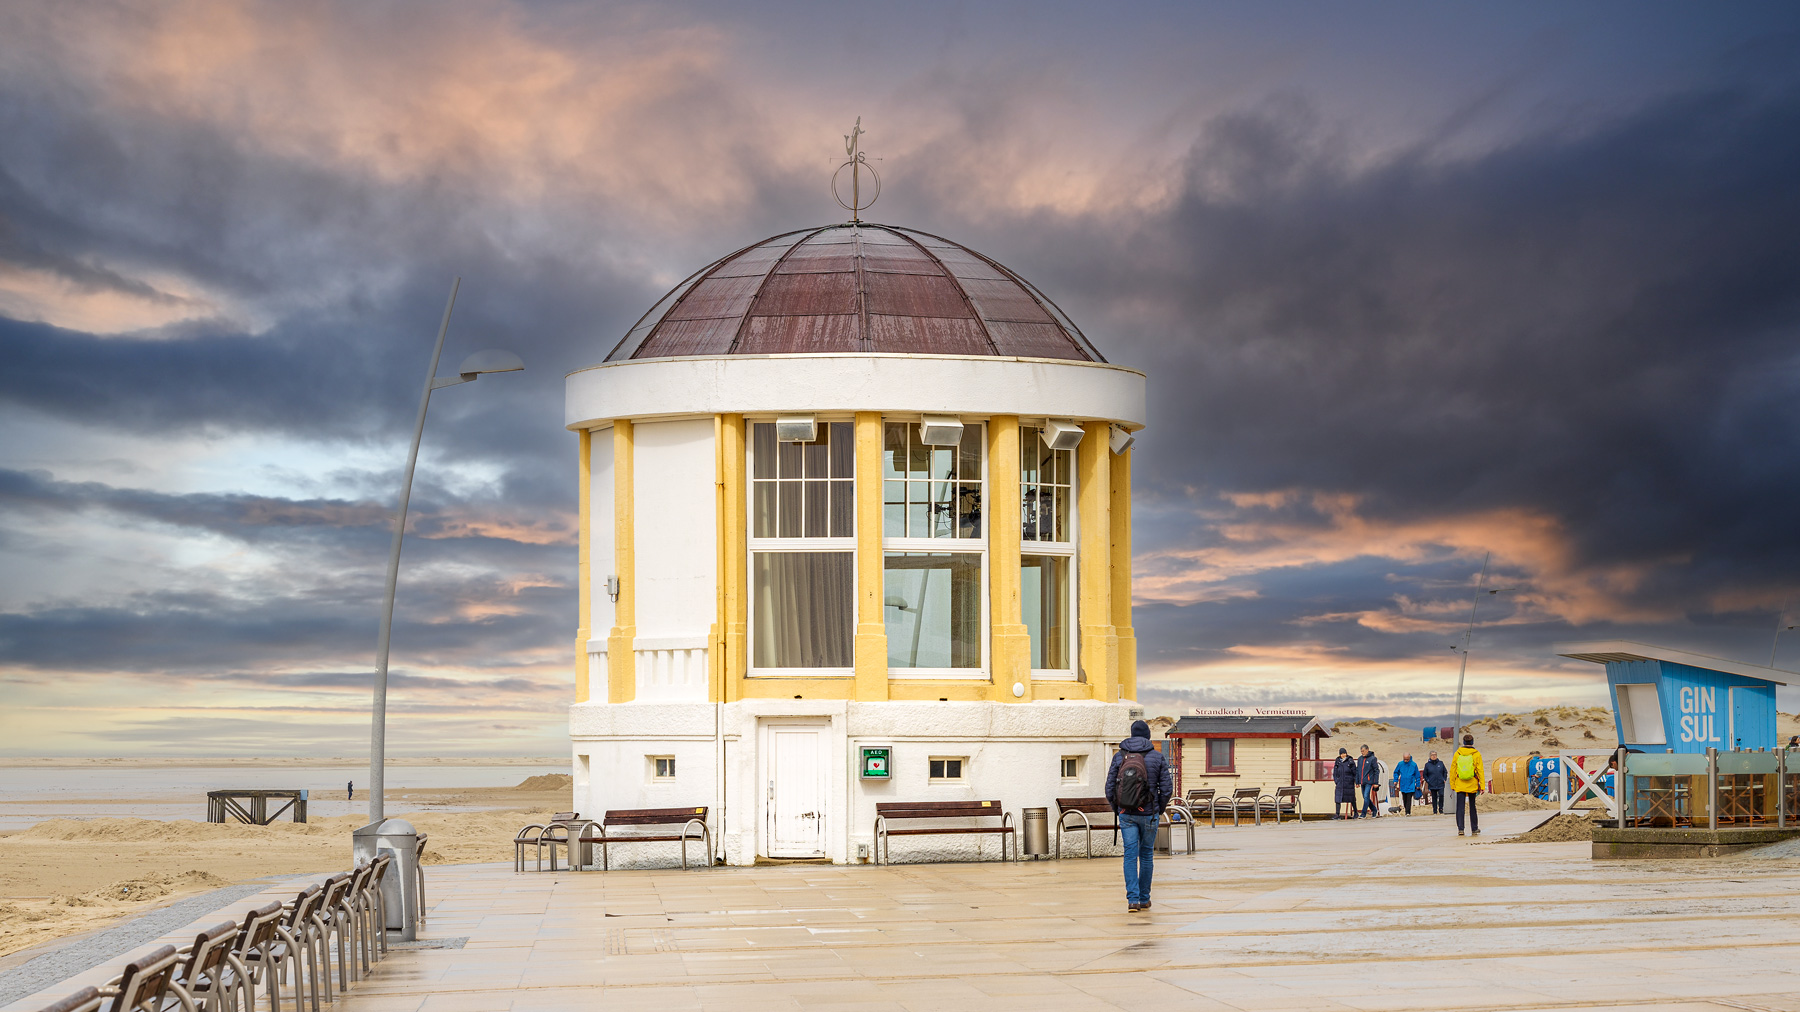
565,816
259,929
1089,806
145,982
1200,794
1287,792
1246,794
654,816
937,809
80,1001
208,953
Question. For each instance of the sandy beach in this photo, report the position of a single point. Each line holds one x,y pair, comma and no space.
67,876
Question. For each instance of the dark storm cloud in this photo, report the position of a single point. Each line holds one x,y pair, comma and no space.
247,517
1598,325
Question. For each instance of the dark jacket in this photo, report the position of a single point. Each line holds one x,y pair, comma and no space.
1343,771
1436,773
1368,770
1162,782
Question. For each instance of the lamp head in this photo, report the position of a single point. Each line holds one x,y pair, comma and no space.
490,360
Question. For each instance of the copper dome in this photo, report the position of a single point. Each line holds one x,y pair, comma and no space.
855,287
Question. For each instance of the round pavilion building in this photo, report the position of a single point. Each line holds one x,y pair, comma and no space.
855,526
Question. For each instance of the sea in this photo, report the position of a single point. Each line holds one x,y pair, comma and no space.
33,794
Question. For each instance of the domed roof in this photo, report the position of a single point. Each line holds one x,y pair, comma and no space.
855,287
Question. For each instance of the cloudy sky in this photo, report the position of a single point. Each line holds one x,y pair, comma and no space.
1413,283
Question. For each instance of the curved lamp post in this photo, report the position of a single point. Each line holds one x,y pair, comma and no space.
1464,649
472,367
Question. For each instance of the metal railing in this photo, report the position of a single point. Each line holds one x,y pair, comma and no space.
1708,790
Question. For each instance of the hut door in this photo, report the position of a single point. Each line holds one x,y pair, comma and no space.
795,786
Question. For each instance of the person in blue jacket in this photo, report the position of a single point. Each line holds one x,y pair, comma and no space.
1406,781
1368,777
1436,773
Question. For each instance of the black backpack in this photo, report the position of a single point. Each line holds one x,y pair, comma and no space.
1133,787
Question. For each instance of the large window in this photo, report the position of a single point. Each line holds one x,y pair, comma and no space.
802,551
934,553
1047,567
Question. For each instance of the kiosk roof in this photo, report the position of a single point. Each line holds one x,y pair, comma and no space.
1604,651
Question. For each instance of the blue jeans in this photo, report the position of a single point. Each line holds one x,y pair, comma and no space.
1138,833
1368,799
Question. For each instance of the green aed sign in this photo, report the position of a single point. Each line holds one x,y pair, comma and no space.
877,762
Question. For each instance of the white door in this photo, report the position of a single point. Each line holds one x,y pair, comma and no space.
795,790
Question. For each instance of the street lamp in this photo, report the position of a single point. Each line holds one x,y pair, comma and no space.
1467,634
472,367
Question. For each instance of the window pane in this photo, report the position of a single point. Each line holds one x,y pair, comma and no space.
893,450
1044,600
818,454
762,445
942,510
763,509
953,769
943,461
918,510
843,509
968,464
1059,511
937,769
968,510
803,604
818,509
1028,457
788,522
843,450
918,455
932,602
893,509
789,456
1218,753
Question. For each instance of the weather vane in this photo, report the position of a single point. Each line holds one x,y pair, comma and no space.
857,163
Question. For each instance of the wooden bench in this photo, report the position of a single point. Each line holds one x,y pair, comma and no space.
1083,809
888,811
689,819
1285,799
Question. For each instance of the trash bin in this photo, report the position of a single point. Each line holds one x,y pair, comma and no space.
1162,837
400,886
1037,832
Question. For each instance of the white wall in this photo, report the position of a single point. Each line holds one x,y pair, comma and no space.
1014,752
675,531
974,385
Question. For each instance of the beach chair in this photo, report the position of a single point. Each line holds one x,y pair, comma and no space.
1284,800
206,974
1202,798
530,836
300,946
1245,798
148,984
254,957
377,902
332,923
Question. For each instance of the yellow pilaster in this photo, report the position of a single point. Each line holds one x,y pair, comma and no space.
871,626
733,620
1010,648
1099,643
1121,574
621,659
584,583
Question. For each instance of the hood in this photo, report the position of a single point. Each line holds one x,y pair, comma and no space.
1137,745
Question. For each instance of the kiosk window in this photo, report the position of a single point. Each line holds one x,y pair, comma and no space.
1640,714
1219,755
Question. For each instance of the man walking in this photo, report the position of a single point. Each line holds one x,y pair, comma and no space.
1467,779
1368,777
1139,786
1436,773
1406,781
350,791
1343,774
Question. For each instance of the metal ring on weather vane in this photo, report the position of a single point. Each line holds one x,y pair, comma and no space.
857,205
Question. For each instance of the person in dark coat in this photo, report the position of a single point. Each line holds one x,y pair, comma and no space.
1435,774
1137,823
1368,777
1343,774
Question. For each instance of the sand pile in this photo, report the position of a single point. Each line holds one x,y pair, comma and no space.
548,782
1559,829
1507,803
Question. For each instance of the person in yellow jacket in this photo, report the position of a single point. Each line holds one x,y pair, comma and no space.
1468,781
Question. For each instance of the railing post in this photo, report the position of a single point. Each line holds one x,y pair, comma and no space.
1712,789
1781,788
1621,783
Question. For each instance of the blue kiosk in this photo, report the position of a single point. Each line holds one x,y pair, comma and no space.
1667,700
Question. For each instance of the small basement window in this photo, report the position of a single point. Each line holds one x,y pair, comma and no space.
1221,755
947,767
662,767
1071,767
